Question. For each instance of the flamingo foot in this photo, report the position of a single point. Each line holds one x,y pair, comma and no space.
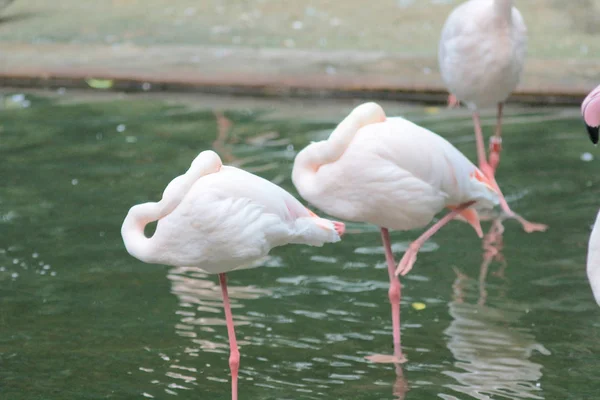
529,227
340,228
387,359
408,260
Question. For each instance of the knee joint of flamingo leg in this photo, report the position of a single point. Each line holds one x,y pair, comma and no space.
394,291
495,144
234,360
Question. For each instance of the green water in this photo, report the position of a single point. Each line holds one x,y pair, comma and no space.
81,319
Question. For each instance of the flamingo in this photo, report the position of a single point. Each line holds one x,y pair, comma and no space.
590,111
219,218
481,56
394,174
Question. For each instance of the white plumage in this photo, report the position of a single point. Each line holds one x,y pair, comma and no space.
220,218
389,172
593,260
481,56
482,52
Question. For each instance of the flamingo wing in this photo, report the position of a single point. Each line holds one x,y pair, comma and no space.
232,219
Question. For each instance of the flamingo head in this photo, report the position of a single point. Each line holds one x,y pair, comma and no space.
590,111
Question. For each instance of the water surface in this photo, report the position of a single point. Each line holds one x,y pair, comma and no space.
81,319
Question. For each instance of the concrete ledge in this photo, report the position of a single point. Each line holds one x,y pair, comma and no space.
271,72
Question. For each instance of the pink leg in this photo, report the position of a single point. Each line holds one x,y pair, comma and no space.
481,157
394,296
453,102
496,142
234,353
394,292
410,256
528,227
489,171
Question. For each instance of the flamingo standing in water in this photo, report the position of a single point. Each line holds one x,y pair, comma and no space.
481,56
219,218
394,174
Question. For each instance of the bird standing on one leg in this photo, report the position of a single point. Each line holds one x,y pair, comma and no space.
219,218
481,56
394,174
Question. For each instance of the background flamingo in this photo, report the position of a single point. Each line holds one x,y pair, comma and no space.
219,218
391,173
481,56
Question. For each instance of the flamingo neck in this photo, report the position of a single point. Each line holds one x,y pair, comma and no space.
132,231
317,154
503,9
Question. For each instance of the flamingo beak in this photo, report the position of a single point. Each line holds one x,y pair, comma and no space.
593,132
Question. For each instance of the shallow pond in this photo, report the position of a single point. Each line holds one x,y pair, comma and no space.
81,319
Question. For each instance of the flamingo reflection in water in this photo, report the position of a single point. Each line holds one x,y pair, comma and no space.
494,357
219,218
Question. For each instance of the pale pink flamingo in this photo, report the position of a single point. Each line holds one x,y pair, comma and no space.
219,218
394,174
481,56
590,110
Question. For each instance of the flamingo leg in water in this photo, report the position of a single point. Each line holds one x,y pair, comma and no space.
410,256
234,353
394,292
489,172
394,296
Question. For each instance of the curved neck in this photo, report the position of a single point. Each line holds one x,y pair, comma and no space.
503,9
132,230
310,159
313,157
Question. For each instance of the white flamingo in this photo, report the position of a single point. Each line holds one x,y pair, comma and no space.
219,218
481,56
394,174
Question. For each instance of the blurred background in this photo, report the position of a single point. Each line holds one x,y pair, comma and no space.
262,46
